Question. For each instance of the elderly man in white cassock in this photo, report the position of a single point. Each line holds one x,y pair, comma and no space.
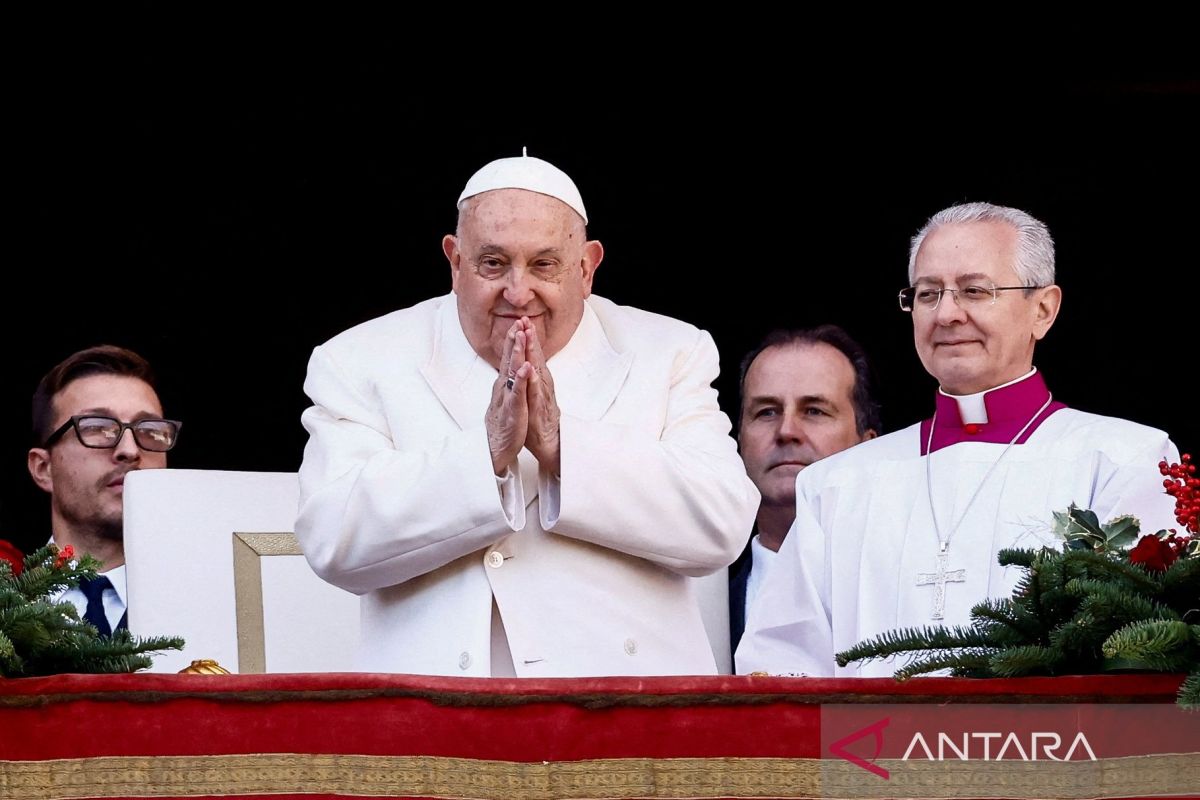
519,476
903,530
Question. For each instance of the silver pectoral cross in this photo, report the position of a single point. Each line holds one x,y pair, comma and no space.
939,579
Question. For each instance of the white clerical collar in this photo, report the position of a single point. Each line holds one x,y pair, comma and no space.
972,408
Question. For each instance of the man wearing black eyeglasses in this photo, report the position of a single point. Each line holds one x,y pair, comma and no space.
83,410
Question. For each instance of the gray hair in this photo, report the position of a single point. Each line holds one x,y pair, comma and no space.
1034,263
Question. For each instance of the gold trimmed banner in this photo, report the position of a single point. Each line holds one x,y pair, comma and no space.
596,779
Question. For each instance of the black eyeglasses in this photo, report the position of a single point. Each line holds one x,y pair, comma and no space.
156,435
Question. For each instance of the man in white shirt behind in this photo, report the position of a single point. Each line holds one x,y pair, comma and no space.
805,395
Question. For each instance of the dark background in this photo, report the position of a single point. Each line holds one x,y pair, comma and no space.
223,215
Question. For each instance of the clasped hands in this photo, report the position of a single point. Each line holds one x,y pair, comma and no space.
523,411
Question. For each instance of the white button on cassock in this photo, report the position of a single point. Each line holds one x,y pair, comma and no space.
464,660
631,647
495,560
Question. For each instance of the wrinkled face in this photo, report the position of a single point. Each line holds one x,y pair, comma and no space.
520,253
797,408
87,485
988,344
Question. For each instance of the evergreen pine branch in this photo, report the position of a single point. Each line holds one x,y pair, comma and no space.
8,654
1105,609
1008,623
1104,599
973,662
1180,585
907,640
1078,643
1015,662
82,650
1164,645
62,660
1017,557
1070,610
31,625
123,663
1055,604
42,578
39,608
1033,598
1097,565
39,636
9,596
148,644
1189,691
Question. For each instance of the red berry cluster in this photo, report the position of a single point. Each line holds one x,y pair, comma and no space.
64,555
1182,484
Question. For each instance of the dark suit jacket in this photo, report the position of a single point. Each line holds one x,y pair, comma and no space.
739,574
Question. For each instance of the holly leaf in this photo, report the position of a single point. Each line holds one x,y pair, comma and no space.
1063,524
1087,519
1120,532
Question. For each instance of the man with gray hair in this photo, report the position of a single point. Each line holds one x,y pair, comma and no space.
519,476
903,531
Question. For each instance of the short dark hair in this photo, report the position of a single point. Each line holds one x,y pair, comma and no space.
105,359
866,410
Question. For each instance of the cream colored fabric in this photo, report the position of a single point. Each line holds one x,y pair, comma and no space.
399,502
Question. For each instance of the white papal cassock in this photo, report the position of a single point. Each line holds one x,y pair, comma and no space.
858,559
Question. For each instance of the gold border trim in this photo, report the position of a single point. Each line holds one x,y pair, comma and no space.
248,549
595,779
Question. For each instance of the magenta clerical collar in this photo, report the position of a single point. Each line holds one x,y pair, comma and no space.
1009,408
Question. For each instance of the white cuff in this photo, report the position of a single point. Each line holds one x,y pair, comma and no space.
549,499
512,498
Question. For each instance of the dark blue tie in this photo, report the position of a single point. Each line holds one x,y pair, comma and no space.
93,590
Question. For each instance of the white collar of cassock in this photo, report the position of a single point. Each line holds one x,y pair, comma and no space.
973,407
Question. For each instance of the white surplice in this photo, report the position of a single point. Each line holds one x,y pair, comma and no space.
849,568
